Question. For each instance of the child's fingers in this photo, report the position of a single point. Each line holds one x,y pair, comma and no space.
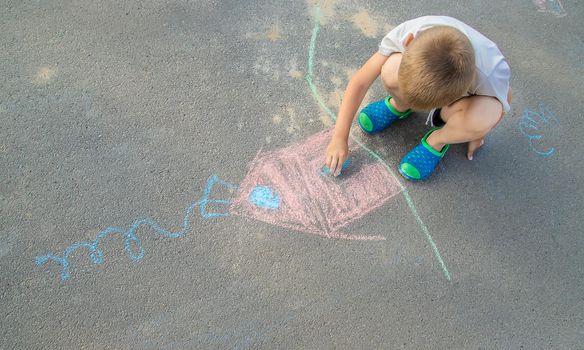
473,146
340,162
329,161
334,165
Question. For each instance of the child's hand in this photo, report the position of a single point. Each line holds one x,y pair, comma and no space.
337,151
336,154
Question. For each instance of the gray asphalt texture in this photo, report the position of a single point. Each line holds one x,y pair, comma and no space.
111,111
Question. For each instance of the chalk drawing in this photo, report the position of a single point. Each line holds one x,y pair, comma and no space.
264,197
404,190
329,10
366,23
554,7
133,245
45,74
325,171
535,125
307,201
273,34
284,188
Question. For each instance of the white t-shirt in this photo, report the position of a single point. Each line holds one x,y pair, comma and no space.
493,72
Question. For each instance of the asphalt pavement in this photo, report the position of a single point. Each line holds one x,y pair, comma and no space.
128,129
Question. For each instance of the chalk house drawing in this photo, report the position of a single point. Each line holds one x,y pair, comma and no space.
284,188
299,197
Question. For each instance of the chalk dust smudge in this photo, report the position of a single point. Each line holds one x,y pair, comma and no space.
334,11
293,70
273,34
368,26
327,10
349,72
266,68
325,119
335,98
293,126
295,74
387,28
554,7
44,75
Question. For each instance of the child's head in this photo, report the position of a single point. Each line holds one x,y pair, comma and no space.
437,68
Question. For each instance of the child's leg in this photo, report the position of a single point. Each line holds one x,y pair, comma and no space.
469,119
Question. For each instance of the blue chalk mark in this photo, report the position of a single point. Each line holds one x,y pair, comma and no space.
552,6
264,197
326,171
132,243
419,260
533,124
205,200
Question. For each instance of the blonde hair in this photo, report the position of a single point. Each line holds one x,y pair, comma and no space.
437,68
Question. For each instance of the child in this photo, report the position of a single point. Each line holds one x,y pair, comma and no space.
432,63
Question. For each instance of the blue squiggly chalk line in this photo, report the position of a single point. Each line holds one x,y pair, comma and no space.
133,245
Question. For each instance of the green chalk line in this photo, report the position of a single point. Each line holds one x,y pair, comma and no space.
404,190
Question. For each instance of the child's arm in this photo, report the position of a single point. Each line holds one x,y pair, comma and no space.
338,149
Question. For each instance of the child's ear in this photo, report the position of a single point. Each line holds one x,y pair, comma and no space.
408,39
